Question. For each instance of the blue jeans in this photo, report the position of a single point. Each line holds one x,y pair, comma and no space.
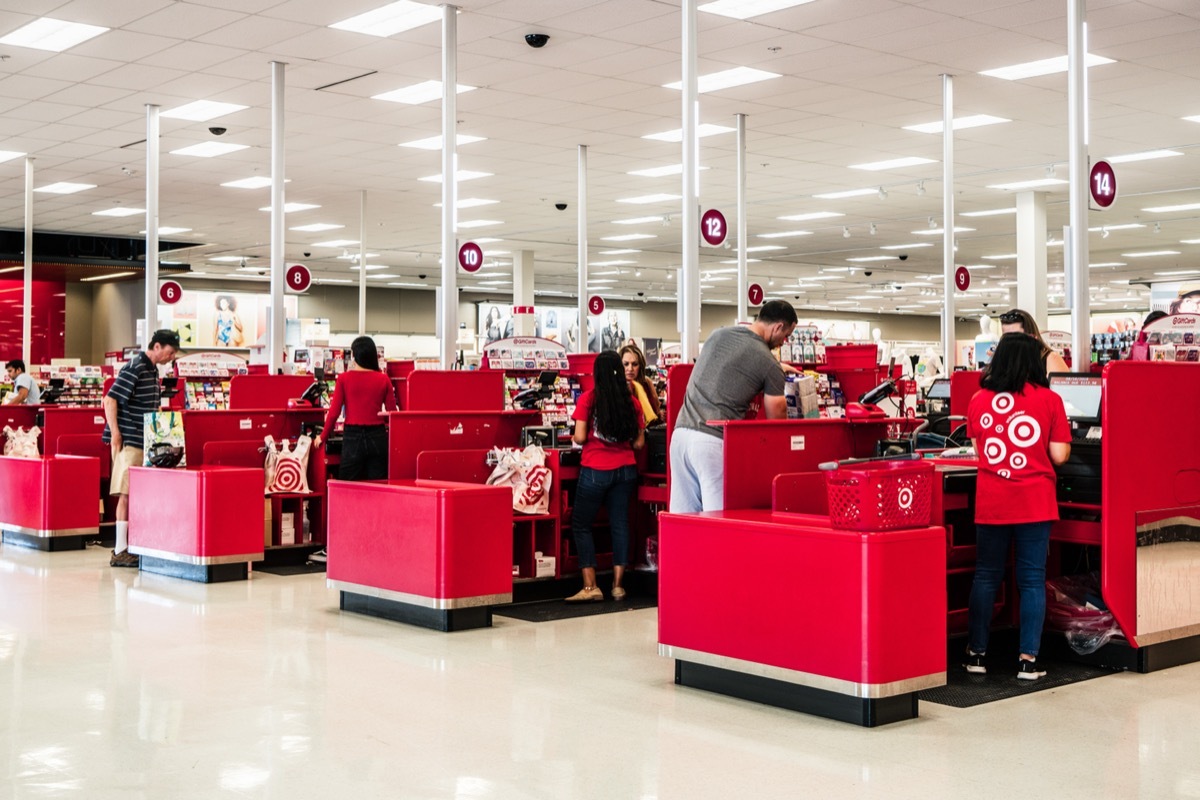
697,472
1032,541
594,488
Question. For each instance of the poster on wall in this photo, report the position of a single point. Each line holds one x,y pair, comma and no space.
220,320
608,331
1175,298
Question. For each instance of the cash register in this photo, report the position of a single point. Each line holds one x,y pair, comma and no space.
1081,393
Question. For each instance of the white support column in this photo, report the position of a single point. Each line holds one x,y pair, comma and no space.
581,341
689,270
1077,116
276,335
949,357
362,262
152,183
27,301
448,299
1031,255
523,324
742,272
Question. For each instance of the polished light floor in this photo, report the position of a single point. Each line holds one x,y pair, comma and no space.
120,685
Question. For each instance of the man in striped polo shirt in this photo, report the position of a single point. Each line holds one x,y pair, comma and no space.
134,393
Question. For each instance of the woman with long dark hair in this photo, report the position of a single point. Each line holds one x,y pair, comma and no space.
363,392
1020,431
634,363
609,425
1018,321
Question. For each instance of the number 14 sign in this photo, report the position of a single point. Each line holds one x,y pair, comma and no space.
1103,184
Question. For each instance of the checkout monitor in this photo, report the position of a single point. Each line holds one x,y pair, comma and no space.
938,390
1081,393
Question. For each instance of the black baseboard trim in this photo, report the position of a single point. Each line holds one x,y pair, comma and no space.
445,619
47,544
1119,655
200,573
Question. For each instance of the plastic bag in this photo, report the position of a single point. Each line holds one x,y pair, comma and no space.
1075,607
526,472
21,443
287,468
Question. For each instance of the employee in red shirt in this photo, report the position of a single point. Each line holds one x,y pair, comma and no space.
1020,431
363,392
610,426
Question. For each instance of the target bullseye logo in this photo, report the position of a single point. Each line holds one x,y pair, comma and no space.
1018,461
1024,430
994,450
1003,403
288,476
905,498
1004,473
986,421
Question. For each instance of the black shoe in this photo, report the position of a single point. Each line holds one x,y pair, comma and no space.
1030,670
124,559
973,662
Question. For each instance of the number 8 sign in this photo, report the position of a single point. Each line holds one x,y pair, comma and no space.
298,278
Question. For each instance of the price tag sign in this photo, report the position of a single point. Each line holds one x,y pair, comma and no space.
170,292
595,305
297,278
1103,184
713,228
755,294
962,279
470,257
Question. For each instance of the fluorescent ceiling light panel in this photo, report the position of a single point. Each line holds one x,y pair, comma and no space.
418,93
1149,253
479,223
1046,66
637,220
410,285
1175,272
702,130
653,172
355,256
616,262
460,176
905,246
620,252
106,277
202,110
370,267
939,231
317,227
381,277
648,198
748,261
628,237
893,163
847,193
1169,209
991,212
120,211
726,79
1034,184
762,248
65,187
336,243
1145,155
257,182
227,258
1001,257
290,207
435,142
333,280
873,258
1109,264
470,202
810,216
9,155
486,240
54,35
784,234
1123,227
167,230
745,9
209,149
397,17
960,123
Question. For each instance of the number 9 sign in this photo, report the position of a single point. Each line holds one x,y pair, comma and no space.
470,257
170,292
298,278
713,228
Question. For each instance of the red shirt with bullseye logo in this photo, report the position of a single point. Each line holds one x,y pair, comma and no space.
1012,432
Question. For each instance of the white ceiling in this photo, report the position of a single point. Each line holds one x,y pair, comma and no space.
853,73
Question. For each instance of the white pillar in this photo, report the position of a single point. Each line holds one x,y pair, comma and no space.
743,281
523,324
581,341
448,299
1077,113
689,270
949,357
275,336
27,302
362,262
1031,255
152,183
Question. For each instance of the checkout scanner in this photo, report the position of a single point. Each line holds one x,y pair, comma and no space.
1081,393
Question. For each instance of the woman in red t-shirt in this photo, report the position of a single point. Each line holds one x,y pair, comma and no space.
363,391
609,425
1020,431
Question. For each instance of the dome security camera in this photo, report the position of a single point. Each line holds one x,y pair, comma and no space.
536,40
561,206
985,305
868,273
421,276
217,131
904,256
641,294
307,254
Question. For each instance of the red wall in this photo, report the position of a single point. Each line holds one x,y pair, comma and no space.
48,324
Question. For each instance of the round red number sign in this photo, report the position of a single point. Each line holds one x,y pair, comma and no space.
1103,184
470,257
595,305
713,228
962,279
170,292
297,278
755,294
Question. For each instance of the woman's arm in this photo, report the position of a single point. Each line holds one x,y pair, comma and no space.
580,434
640,441
1056,363
1059,453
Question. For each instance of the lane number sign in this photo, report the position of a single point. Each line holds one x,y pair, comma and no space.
297,278
713,228
470,257
170,292
595,305
962,279
755,294
1103,184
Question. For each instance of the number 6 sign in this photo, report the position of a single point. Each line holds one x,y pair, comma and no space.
298,278
713,228
170,292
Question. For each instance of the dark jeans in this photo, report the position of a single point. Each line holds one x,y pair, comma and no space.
594,488
364,453
1032,540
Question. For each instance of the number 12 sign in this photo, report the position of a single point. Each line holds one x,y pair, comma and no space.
1103,184
713,228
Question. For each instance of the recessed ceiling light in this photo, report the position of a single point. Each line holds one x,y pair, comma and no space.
991,212
397,17
702,130
648,198
355,257
51,34
1145,155
939,231
110,275
229,259
1189,241
471,202
1034,184
1046,66
257,182
628,237
616,262
209,149
784,234
810,216
602,280
290,207
656,172
9,155
65,187
119,211
748,261
333,280
317,227
381,276
618,252
167,230
960,123
479,223
1001,257
894,163
764,247
873,258
745,9
847,193
905,246
637,220
1149,253
370,267
418,93
336,243
726,79
1123,227
202,110
1109,264
435,142
410,285
460,176
1169,209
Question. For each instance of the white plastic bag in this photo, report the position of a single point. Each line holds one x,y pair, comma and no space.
526,472
287,468
21,443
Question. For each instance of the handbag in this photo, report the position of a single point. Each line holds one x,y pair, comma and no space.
285,467
21,443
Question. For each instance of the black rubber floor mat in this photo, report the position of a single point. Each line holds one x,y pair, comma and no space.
291,569
550,610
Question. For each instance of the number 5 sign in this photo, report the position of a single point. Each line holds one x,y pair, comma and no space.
713,228
297,278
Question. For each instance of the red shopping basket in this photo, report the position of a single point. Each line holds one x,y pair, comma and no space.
880,495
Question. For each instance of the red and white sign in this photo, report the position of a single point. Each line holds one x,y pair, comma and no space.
170,292
298,278
595,305
755,294
713,228
962,279
522,309
1103,184
470,257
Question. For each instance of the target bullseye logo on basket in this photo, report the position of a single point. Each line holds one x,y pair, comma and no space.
905,498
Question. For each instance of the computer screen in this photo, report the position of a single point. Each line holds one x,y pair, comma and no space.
938,390
1080,394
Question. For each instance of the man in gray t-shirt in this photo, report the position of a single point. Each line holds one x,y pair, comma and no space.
735,365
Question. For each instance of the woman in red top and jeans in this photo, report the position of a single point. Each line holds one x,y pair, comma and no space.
609,425
363,392
1020,431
